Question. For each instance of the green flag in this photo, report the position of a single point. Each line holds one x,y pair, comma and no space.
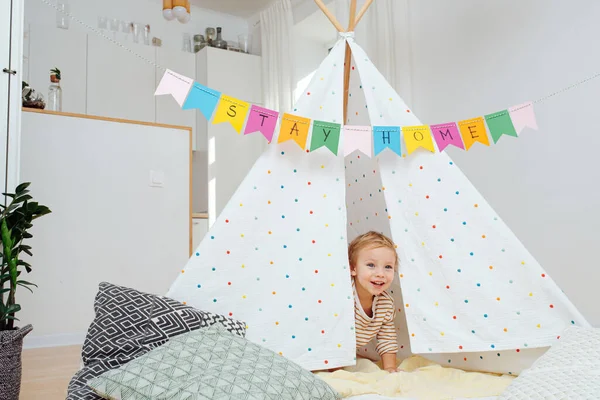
325,134
500,124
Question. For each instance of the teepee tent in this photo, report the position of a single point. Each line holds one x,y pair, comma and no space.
468,293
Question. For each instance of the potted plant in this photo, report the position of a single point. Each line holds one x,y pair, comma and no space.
15,222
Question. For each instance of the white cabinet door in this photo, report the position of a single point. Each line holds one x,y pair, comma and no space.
168,110
235,74
119,84
199,230
51,47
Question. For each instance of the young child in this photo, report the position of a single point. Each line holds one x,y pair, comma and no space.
373,263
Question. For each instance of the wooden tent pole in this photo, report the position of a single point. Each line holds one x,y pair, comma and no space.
362,11
329,15
348,60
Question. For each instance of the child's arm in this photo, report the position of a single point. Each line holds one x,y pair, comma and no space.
387,344
389,362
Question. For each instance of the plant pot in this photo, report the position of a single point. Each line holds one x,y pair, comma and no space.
11,348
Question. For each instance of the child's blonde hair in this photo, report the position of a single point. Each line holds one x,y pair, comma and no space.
370,240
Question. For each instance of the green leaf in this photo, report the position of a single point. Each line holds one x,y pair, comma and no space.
13,308
25,283
22,186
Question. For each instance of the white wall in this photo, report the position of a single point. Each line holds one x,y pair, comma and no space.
107,222
142,11
308,56
470,58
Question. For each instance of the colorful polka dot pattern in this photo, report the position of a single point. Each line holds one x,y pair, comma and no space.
279,263
470,289
472,296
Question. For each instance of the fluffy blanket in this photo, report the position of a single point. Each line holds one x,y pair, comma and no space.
419,379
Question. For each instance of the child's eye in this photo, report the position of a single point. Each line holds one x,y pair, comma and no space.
389,267
371,265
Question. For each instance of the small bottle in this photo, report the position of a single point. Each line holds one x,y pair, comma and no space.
54,91
219,42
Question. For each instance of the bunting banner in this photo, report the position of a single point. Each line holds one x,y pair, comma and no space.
418,136
446,135
386,137
499,124
262,120
202,98
294,128
174,84
233,111
325,134
473,131
357,138
522,116
370,140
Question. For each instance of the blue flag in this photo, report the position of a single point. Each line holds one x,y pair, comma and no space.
386,137
203,98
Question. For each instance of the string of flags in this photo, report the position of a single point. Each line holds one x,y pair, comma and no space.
370,140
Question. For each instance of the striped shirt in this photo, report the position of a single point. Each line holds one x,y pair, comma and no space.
381,325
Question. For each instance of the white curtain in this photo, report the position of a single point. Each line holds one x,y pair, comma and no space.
384,33
276,25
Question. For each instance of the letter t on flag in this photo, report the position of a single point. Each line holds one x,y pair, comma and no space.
174,84
262,120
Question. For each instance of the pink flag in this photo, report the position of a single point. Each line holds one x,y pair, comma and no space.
447,134
357,138
523,116
262,120
176,85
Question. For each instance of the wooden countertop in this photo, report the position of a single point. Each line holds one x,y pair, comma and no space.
119,120
200,215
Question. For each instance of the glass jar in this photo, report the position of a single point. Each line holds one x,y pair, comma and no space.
219,42
210,36
199,43
54,94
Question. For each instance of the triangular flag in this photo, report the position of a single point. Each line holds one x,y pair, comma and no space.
472,131
294,128
500,124
202,98
357,138
523,116
233,111
262,120
325,134
174,84
386,137
447,134
418,136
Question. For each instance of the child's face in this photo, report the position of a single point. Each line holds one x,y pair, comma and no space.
374,270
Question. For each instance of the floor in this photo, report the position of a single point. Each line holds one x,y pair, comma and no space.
47,372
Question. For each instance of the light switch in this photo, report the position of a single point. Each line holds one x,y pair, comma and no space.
157,178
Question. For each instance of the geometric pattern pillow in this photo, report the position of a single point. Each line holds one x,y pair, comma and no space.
570,369
211,364
129,323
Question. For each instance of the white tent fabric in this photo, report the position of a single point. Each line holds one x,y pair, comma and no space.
276,258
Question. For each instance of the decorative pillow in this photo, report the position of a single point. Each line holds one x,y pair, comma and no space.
211,364
569,370
128,324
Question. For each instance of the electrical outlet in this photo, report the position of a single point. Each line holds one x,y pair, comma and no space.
157,179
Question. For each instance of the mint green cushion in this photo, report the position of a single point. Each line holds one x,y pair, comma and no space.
211,364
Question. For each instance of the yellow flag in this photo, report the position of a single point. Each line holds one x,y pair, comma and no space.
418,136
294,128
472,131
233,111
